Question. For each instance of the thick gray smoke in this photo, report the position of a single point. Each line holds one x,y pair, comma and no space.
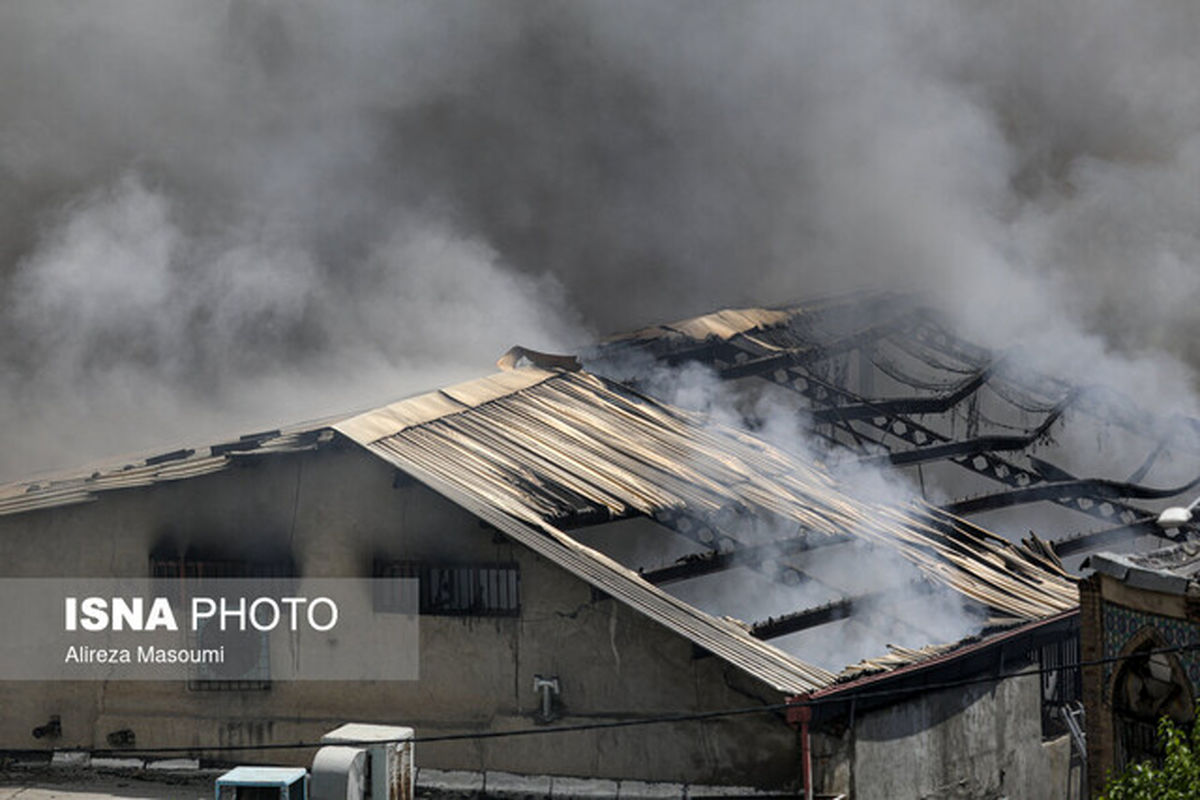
895,603
229,214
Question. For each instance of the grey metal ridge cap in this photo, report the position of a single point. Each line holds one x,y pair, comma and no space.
1137,576
1157,581
1111,564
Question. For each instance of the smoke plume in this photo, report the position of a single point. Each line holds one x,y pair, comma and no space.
232,214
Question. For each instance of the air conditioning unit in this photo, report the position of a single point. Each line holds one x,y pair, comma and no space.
339,773
263,783
390,757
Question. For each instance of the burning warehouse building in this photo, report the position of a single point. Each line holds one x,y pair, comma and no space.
590,551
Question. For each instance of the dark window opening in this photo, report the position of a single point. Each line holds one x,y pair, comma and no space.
1148,685
1061,687
459,590
198,568
247,652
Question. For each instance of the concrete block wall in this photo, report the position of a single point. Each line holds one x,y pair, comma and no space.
979,742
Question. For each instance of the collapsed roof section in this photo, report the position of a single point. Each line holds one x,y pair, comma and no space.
885,379
552,447
532,451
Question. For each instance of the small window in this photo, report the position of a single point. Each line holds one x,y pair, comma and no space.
251,648
460,590
1058,662
199,568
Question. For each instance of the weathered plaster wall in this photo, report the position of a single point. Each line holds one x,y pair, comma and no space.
334,512
981,742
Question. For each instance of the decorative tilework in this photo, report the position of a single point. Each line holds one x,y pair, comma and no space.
1121,624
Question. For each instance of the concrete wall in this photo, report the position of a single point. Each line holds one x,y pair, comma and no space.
979,742
334,512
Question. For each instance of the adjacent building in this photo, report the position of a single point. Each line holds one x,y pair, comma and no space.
1141,640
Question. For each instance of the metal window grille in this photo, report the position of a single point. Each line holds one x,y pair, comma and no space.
198,568
1060,682
460,590
177,573
1137,740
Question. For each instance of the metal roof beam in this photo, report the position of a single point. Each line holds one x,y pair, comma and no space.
980,445
808,618
909,405
1093,540
835,610
694,566
983,463
1094,490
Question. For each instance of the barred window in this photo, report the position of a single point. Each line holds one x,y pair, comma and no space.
186,567
186,574
460,590
1060,682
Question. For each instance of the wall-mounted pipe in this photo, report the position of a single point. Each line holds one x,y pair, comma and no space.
800,713
548,687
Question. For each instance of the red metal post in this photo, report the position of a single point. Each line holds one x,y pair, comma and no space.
799,712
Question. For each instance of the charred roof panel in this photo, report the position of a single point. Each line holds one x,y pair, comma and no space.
572,440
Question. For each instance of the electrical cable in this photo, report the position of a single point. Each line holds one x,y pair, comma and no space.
666,718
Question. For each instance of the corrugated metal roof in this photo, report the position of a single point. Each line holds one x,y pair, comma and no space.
85,484
722,324
730,322
723,638
904,659
559,443
571,442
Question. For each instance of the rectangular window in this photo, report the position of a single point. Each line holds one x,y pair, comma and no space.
1060,681
218,568
459,590
183,575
